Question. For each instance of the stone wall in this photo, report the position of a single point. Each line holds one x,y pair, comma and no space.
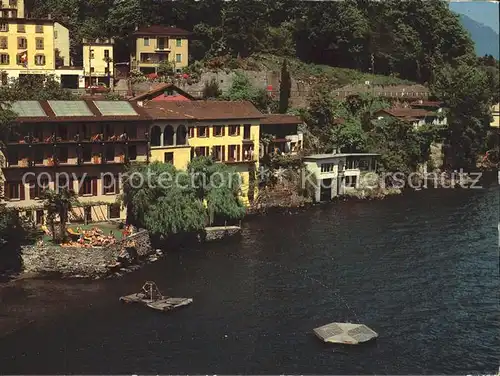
83,262
219,233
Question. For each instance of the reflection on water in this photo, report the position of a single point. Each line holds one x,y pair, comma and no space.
421,270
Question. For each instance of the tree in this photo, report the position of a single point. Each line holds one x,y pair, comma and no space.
285,88
467,93
242,90
211,90
59,204
34,87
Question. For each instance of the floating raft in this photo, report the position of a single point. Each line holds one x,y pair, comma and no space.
346,333
152,298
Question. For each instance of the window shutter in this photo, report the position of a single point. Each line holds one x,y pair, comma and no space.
81,188
223,152
94,187
238,147
223,130
21,192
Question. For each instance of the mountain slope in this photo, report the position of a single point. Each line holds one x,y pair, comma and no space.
485,38
483,12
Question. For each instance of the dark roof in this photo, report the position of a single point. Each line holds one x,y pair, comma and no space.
281,119
162,31
90,105
159,90
407,112
202,110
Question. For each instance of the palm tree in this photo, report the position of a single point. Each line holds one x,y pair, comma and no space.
59,203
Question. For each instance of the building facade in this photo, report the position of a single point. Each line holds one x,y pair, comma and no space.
495,112
327,176
417,117
83,145
12,8
34,46
98,64
155,44
227,131
282,134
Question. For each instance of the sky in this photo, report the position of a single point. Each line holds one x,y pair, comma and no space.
484,12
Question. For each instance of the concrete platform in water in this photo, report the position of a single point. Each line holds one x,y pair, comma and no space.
152,298
345,333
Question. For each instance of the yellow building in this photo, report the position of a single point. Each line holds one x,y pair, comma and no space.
11,8
227,131
495,111
98,62
28,46
155,44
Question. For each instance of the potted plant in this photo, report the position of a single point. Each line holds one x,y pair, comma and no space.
51,161
96,158
24,162
121,158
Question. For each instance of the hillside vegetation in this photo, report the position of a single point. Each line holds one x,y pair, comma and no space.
407,39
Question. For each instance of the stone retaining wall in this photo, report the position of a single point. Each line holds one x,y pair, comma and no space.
83,262
218,233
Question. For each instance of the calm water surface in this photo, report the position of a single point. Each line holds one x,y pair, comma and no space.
421,270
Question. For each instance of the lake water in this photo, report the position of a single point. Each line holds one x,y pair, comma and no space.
421,269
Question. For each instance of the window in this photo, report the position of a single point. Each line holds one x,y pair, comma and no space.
39,59
350,181
327,167
191,132
13,3
62,131
203,131
219,153
62,154
132,152
4,59
110,153
29,215
39,43
219,131
87,153
4,43
146,41
92,69
85,186
234,153
178,42
38,159
109,184
21,28
14,191
178,58
21,59
55,34
22,43
39,29
131,130
62,183
201,151
234,130
114,211
106,54
169,158
246,131
37,187
4,26
92,53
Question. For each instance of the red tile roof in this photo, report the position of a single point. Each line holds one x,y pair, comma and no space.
281,119
159,90
158,30
203,110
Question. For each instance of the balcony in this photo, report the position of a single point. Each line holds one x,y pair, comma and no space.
162,48
96,138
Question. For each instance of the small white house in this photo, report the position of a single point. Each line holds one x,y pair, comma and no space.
329,175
